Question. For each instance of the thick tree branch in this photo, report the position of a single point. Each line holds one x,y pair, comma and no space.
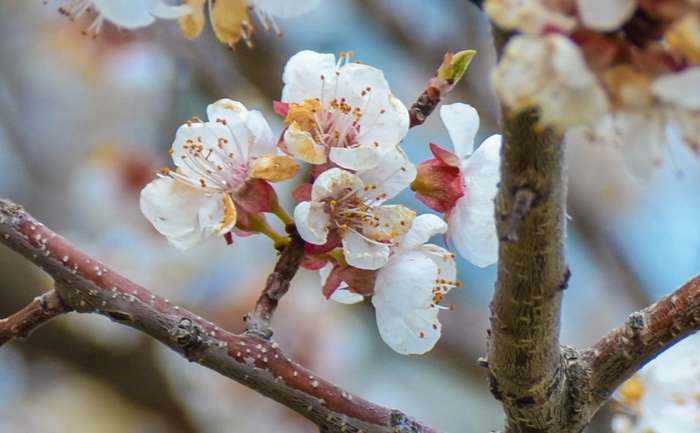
525,362
645,334
88,286
42,309
277,285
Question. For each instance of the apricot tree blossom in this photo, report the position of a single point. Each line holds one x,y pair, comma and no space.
221,179
125,13
579,73
463,185
624,72
339,111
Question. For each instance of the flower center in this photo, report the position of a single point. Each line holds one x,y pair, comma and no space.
212,168
350,209
335,124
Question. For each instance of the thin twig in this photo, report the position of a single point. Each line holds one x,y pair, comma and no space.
42,309
277,285
645,334
426,102
88,286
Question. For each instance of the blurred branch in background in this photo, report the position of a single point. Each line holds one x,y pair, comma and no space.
134,372
607,254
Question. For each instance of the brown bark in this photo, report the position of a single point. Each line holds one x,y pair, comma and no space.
258,321
88,286
526,366
645,334
42,309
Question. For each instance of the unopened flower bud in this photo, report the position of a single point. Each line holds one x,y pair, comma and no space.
455,65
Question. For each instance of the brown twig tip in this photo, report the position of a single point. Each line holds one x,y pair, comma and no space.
42,309
523,201
277,285
424,106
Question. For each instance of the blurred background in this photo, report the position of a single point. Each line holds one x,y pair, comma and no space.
84,124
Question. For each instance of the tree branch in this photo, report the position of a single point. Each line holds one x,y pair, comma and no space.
645,334
525,361
88,286
42,309
277,285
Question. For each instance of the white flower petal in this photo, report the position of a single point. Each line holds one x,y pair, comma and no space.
285,8
302,75
643,140
362,253
226,111
445,262
472,225
355,158
402,300
208,135
530,16
387,126
165,11
390,175
549,72
182,214
605,15
462,123
384,122
261,139
334,183
345,296
131,14
312,222
424,227
250,131
682,89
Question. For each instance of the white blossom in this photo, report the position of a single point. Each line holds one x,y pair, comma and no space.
641,134
550,73
531,16
340,111
409,288
128,14
215,161
351,205
605,15
663,396
472,225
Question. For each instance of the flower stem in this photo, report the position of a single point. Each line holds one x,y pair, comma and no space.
280,241
258,224
280,213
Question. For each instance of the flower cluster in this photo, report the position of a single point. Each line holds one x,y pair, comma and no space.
609,71
230,19
342,120
663,397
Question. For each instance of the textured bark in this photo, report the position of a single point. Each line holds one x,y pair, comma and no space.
88,286
526,366
258,321
42,309
645,334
